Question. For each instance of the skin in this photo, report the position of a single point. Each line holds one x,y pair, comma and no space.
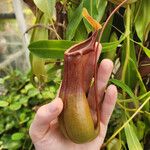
44,130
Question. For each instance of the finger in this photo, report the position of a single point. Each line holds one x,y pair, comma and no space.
104,72
108,104
44,116
102,133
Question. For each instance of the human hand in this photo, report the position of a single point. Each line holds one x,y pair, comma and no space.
44,130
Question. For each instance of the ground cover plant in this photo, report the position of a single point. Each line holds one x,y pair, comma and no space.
125,40
19,101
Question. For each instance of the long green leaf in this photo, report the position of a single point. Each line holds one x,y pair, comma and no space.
143,88
143,18
110,46
101,6
107,32
123,86
111,54
81,33
37,64
132,140
46,6
140,129
50,48
74,22
130,75
106,47
55,48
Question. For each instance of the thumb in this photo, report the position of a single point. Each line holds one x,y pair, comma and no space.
44,116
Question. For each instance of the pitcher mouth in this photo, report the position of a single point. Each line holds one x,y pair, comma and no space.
81,49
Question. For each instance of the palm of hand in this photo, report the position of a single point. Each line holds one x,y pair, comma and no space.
54,140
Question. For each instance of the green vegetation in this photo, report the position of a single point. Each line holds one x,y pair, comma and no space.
18,104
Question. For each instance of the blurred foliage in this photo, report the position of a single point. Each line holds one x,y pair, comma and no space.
19,101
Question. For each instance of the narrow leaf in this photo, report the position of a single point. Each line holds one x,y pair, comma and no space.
50,49
143,18
55,48
123,86
74,22
140,129
111,54
143,88
46,6
101,6
132,140
81,33
130,75
37,64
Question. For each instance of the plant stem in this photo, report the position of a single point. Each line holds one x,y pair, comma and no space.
141,97
128,109
105,24
127,56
